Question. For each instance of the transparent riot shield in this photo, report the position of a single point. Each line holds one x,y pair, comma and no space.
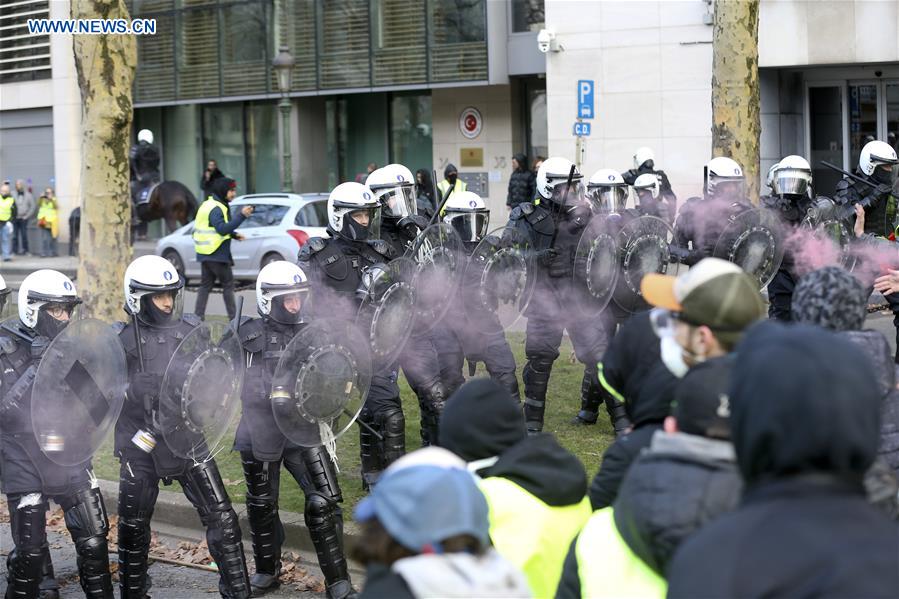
200,393
321,382
440,261
595,267
79,390
500,276
387,314
643,248
754,241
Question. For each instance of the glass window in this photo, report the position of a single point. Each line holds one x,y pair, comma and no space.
197,53
410,134
892,96
263,159
527,15
344,44
314,214
398,42
826,136
223,141
245,48
458,40
299,23
538,139
264,215
862,119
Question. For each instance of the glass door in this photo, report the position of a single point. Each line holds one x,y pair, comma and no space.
863,125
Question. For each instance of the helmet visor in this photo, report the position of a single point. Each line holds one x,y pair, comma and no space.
573,195
288,306
791,181
471,226
728,188
607,200
5,304
398,202
364,223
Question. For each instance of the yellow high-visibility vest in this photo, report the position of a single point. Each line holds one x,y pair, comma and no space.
6,204
206,238
532,535
607,567
444,185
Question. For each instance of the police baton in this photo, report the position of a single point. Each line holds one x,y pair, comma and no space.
848,174
442,202
552,243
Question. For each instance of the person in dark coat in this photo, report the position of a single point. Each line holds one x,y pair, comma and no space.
211,173
834,299
686,478
644,163
424,188
805,414
522,182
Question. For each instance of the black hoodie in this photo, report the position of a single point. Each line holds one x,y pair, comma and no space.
805,420
522,183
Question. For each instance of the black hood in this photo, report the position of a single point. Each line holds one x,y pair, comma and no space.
450,168
803,400
219,188
544,469
498,426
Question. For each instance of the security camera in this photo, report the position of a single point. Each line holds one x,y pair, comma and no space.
546,41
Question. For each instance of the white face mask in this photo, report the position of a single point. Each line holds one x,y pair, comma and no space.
673,356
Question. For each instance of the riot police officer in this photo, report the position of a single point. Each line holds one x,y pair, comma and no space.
607,194
281,293
644,164
153,298
47,299
394,187
877,166
335,266
554,224
790,182
144,165
650,202
702,220
468,330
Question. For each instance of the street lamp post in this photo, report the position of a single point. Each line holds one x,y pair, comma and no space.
283,65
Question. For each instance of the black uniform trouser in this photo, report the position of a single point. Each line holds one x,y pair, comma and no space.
454,345
313,470
20,236
383,412
85,517
210,273
780,296
421,365
203,487
543,339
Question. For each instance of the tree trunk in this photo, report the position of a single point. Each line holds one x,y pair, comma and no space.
105,65
736,126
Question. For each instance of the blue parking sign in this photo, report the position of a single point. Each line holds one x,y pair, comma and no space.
585,99
582,129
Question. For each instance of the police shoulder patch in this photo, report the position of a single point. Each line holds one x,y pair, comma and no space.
8,345
191,319
316,244
382,247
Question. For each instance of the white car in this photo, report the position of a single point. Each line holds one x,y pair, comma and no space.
280,224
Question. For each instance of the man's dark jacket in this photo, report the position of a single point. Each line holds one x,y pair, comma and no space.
805,417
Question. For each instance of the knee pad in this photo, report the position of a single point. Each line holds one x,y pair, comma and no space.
319,510
86,517
320,470
137,497
392,425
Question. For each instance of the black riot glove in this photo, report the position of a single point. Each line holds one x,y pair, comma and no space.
38,346
678,254
546,257
883,189
145,386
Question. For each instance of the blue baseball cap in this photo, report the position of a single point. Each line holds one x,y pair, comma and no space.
422,505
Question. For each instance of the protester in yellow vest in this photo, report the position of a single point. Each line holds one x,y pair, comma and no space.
7,215
213,230
450,179
536,490
48,223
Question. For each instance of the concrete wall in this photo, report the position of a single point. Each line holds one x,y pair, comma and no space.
819,32
495,105
652,66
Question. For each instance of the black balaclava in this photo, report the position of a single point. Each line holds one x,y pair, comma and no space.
882,175
152,315
47,326
451,173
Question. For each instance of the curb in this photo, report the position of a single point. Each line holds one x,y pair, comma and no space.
174,510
